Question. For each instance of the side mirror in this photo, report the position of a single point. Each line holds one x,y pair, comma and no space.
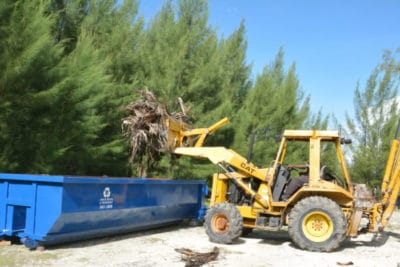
345,141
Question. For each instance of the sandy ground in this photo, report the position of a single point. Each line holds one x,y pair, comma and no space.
157,248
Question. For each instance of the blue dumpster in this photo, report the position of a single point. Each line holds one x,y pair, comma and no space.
44,210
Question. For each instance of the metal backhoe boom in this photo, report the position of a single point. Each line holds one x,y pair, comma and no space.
391,180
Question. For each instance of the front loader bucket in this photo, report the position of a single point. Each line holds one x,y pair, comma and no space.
175,133
181,134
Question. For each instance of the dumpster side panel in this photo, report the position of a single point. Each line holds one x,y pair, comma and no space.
29,204
48,208
94,197
74,226
106,207
18,200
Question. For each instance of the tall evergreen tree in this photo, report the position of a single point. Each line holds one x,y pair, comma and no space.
27,69
116,31
233,83
59,108
273,105
73,132
182,57
374,123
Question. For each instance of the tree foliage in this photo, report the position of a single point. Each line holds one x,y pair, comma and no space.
61,93
27,71
207,72
375,120
274,104
69,68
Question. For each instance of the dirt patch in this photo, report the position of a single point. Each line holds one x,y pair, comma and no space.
158,248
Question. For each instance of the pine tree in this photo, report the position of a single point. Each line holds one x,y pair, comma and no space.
62,87
374,124
273,105
105,34
77,119
182,57
233,80
117,33
29,58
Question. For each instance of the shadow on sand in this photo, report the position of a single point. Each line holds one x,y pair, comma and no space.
366,240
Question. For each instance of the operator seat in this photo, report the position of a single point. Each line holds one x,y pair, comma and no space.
281,178
297,182
325,174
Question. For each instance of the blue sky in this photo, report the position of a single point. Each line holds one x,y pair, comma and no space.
334,44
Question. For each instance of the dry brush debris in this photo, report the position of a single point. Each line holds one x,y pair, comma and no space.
195,259
145,129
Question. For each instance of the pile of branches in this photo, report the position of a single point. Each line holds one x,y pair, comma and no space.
145,130
196,259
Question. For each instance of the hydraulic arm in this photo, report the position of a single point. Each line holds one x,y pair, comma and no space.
391,180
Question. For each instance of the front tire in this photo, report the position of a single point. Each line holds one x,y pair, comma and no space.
223,223
317,224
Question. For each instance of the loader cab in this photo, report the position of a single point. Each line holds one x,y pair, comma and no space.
314,156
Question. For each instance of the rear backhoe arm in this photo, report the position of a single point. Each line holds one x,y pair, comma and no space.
391,180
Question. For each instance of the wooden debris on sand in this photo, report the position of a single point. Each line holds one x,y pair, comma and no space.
195,259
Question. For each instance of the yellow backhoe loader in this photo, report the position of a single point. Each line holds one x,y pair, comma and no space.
319,215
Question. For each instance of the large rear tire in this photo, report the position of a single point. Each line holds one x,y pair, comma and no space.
317,224
223,223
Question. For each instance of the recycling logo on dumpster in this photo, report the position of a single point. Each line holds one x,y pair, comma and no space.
107,192
106,202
